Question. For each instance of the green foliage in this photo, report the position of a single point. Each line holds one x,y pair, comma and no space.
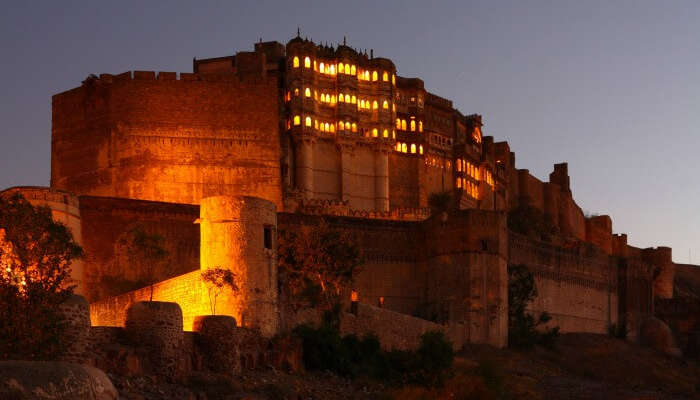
217,280
35,257
351,356
530,221
316,263
440,202
522,326
147,249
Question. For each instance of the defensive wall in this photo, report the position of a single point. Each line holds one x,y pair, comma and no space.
151,136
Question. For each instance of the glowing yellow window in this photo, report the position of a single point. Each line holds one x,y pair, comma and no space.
307,92
366,75
347,98
323,97
333,99
297,120
332,69
385,76
322,67
385,105
327,125
353,99
375,132
398,123
362,103
459,183
393,134
295,62
413,126
375,76
316,124
341,126
398,146
393,79
308,121
296,92
307,62
375,105
352,70
403,147
315,67
385,133
403,124
413,148
315,95
393,107
420,126
332,128
420,149
354,127
341,68
459,165
341,99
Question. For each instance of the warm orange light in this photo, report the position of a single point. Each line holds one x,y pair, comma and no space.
295,62
307,62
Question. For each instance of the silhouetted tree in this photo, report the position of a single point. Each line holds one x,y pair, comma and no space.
523,326
148,250
217,280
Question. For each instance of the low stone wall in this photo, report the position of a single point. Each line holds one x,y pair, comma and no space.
395,331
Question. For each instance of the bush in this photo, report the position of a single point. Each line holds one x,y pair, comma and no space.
522,326
352,356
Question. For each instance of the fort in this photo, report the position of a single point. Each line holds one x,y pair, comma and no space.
217,161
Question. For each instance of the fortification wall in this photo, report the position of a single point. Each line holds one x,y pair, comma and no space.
167,139
109,223
577,287
405,189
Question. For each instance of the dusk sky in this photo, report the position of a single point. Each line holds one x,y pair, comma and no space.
611,87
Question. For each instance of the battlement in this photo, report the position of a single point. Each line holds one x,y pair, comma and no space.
165,76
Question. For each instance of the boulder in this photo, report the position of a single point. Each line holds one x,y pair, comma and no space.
654,333
53,380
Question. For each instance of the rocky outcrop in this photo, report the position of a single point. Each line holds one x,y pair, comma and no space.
21,380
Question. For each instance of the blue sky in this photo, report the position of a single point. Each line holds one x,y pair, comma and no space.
612,87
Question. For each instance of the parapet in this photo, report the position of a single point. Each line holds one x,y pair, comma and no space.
560,176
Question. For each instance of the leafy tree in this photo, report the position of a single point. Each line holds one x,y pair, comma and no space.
35,256
148,250
316,262
522,326
217,280
532,222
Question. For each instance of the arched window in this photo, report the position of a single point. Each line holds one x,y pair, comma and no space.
393,134
315,67
354,127
341,99
375,105
393,107
420,126
341,126
308,121
420,149
375,132
307,92
307,62
332,128
459,183
413,148
367,105
374,76
315,95
341,68
362,103
296,92
385,105
403,124
315,124
385,76
398,123
352,70
354,100
332,69
326,125
404,148
393,79
297,120
322,67
398,146
413,126
366,75
385,133
347,98
459,165
295,62
323,97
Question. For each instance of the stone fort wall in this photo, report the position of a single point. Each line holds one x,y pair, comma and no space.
156,137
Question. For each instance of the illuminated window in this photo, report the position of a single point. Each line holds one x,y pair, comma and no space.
296,91
385,76
297,120
353,99
398,123
413,148
393,107
326,125
322,67
403,124
393,79
459,183
323,97
375,105
398,146
341,126
375,76
315,124
385,105
315,67
403,147
332,69
362,103
375,132
459,165
307,92
413,126
352,70
341,99
308,121
354,127
366,75
393,134
420,126
341,68
367,105
347,98
296,62
420,149
307,62
315,95
332,128
385,133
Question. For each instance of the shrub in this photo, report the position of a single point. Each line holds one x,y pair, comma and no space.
522,326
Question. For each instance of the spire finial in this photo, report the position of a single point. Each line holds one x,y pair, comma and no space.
344,41
298,32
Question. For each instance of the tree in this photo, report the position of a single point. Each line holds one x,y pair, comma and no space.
530,221
147,249
217,279
316,263
440,202
522,325
36,253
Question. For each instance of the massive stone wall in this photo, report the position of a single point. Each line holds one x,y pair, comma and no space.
167,139
110,267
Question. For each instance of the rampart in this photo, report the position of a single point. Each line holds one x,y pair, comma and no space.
155,137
